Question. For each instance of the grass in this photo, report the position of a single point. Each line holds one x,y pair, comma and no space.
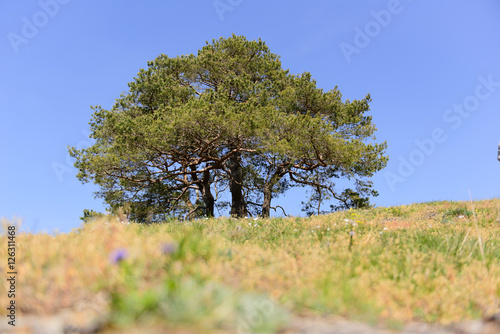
435,262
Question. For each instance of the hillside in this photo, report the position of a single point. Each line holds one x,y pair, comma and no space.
432,263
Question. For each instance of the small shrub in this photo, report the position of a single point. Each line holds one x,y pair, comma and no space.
90,215
457,212
397,211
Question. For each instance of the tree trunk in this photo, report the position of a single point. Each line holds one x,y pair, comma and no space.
206,193
208,198
266,204
238,205
268,192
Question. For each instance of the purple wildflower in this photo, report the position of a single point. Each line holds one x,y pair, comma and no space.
118,255
168,248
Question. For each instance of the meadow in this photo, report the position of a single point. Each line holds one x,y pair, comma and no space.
436,262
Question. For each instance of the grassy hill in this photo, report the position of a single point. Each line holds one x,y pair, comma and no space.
434,262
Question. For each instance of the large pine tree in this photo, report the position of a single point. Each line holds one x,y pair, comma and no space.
229,119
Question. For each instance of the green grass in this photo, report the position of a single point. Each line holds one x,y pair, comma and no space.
435,262
196,303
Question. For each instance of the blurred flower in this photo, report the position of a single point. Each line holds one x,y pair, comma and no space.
168,248
118,255
351,233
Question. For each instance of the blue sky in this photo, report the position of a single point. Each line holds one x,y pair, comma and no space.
431,67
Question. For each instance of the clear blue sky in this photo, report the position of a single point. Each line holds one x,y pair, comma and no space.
431,67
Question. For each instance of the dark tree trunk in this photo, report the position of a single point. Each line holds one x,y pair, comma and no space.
206,193
266,204
208,198
268,192
238,205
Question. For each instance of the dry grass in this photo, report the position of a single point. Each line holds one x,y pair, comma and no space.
435,262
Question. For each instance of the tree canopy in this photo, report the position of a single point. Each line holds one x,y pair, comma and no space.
229,120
